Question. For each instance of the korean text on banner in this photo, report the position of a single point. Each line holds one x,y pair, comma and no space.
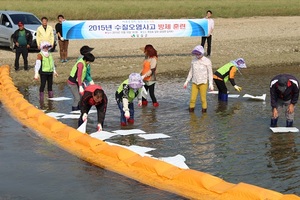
109,29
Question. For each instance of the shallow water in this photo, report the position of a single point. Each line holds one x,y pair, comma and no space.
231,141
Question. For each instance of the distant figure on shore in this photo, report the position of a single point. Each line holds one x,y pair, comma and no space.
44,33
211,26
202,78
225,73
62,42
284,93
149,73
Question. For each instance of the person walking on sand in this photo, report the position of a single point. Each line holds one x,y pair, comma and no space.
22,39
62,42
225,73
44,69
76,78
129,89
211,26
202,77
284,93
149,73
44,33
93,96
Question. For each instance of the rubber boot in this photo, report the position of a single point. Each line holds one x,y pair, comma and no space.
274,122
191,109
74,108
50,94
156,104
41,96
219,95
204,110
123,124
289,123
130,121
224,97
144,102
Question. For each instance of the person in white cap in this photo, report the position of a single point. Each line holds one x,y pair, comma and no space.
129,89
202,78
225,73
44,69
284,94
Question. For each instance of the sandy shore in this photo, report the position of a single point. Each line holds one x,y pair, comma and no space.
261,41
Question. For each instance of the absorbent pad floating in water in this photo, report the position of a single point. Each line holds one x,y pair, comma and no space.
153,136
60,98
284,129
262,97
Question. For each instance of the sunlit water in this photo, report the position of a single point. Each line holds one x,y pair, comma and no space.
231,141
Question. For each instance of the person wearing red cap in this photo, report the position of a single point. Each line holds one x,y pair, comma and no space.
284,93
22,39
93,96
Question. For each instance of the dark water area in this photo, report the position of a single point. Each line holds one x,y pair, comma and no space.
231,141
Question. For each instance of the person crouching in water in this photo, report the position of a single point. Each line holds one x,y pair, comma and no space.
44,69
225,73
130,89
284,94
149,73
93,96
202,78
77,76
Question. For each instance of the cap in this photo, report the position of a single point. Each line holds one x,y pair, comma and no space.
85,49
282,83
198,50
20,24
135,81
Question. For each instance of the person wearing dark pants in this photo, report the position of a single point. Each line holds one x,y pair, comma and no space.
211,25
22,39
44,69
284,93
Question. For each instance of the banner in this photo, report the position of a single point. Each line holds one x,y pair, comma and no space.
106,29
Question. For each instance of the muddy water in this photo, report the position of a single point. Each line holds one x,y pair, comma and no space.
231,141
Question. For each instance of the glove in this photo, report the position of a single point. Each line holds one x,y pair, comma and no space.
36,76
99,127
62,39
92,82
185,84
143,76
127,114
81,90
237,88
140,103
84,117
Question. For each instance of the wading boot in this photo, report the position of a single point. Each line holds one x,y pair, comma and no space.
50,94
224,97
41,96
156,104
274,122
191,109
204,110
289,123
144,102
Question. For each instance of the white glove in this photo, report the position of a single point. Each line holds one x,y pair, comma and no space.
62,39
99,127
143,76
92,82
127,114
81,90
36,76
140,103
185,84
84,117
237,88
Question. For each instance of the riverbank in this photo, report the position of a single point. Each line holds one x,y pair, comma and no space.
261,41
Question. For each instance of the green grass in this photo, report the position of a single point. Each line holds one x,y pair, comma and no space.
155,9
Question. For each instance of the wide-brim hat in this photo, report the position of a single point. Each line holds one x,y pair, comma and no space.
135,81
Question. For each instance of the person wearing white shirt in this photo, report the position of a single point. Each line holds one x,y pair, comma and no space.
211,26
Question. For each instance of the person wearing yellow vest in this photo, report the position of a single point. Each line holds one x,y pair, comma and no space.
129,89
44,69
93,96
149,73
77,75
202,78
225,73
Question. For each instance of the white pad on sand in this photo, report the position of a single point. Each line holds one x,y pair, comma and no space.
60,98
55,114
284,129
178,161
82,127
129,132
153,136
263,97
137,149
233,95
102,135
70,116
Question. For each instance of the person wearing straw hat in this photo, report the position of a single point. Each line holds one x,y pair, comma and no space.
225,73
129,89
202,78
284,93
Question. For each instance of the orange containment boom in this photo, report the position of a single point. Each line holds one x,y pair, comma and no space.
159,174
